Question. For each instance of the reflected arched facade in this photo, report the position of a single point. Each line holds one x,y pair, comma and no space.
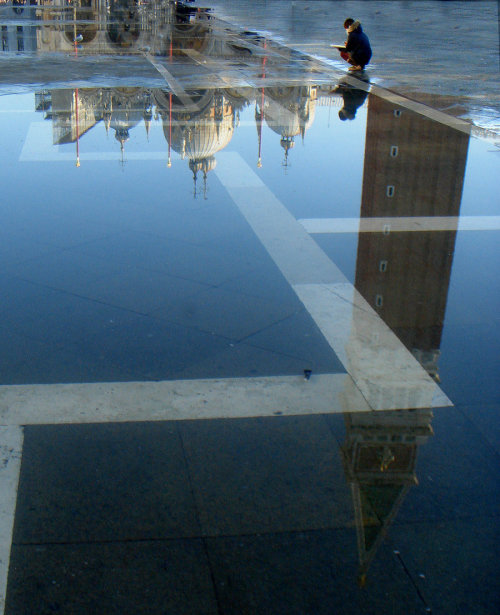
88,27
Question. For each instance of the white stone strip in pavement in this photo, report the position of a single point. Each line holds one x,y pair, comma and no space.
204,60
179,399
386,373
173,84
38,143
400,224
298,256
11,446
226,76
38,147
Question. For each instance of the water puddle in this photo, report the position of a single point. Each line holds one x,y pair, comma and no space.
198,222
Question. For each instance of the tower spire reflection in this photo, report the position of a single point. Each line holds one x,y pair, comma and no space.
413,166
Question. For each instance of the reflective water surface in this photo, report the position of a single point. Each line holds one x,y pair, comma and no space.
250,339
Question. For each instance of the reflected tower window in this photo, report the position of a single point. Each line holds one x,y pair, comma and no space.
5,42
20,39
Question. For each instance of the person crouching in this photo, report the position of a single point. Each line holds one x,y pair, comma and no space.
358,51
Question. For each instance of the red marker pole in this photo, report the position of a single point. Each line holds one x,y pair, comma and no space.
77,130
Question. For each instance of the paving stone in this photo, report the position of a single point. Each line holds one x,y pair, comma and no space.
103,482
269,474
306,572
118,577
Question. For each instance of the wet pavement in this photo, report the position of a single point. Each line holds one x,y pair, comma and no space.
250,343
444,53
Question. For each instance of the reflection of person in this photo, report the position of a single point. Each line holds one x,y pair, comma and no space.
353,99
357,46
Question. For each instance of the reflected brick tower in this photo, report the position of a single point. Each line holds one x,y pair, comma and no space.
414,167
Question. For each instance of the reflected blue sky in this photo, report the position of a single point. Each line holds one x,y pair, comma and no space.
123,183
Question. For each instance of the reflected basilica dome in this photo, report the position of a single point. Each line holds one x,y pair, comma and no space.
199,131
289,112
125,108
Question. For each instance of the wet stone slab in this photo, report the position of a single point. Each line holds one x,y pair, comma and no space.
306,572
205,509
265,475
112,482
136,577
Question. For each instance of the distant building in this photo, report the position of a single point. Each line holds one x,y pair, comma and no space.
21,35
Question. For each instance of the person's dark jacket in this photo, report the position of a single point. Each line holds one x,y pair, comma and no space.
358,44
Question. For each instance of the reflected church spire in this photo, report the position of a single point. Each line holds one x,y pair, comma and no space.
379,455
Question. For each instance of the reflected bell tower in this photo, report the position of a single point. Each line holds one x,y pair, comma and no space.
413,171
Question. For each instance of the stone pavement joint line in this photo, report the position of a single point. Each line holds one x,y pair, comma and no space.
173,84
